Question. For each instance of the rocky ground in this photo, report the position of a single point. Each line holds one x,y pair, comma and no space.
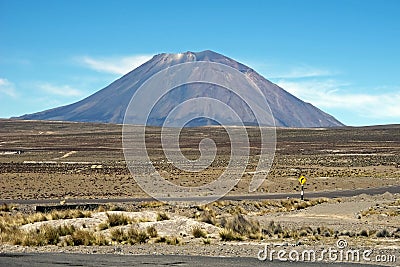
63,161
78,160
361,221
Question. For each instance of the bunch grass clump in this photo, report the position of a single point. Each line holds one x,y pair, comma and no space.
44,235
152,231
85,238
230,235
241,225
117,219
171,240
197,232
131,236
162,216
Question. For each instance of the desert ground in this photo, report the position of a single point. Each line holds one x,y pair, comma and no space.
65,161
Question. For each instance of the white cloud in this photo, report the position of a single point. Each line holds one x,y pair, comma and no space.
7,88
331,94
115,65
289,71
63,90
302,71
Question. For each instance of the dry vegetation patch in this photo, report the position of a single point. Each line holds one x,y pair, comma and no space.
390,209
68,228
198,232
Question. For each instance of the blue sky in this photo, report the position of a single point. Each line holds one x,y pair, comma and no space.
341,56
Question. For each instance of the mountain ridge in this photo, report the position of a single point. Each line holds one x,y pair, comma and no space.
109,104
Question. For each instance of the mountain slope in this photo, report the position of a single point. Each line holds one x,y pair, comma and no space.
109,104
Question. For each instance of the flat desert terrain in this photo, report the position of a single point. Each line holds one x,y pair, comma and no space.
64,162
81,160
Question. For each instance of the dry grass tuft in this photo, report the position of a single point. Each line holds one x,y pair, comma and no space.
242,225
272,229
152,231
396,234
206,241
168,240
118,235
65,230
21,219
81,238
364,233
132,236
113,207
161,239
116,219
137,236
296,204
84,238
152,204
173,241
4,207
197,232
68,214
103,226
391,209
45,235
383,233
7,208
162,216
208,216
230,235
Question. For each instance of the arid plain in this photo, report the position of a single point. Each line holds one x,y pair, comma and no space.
66,161
70,160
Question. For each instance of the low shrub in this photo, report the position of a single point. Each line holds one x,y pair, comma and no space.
82,238
151,231
206,241
230,235
364,233
4,207
197,232
272,229
64,230
132,236
118,235
173,240
162,216
161,239
168,240
383,233
208,216
137,236
103,226
396,234
241,225
117,219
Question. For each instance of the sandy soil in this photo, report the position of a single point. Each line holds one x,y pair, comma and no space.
78,160
346,216
73,160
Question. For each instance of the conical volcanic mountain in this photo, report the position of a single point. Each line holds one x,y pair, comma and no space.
109,104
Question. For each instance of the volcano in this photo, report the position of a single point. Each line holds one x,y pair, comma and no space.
110,103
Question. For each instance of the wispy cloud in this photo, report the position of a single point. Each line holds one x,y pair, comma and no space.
289,71
303,71
7,88
331,94
115,65
61,90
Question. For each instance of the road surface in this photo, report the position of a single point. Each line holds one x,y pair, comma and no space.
328,194
109,260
